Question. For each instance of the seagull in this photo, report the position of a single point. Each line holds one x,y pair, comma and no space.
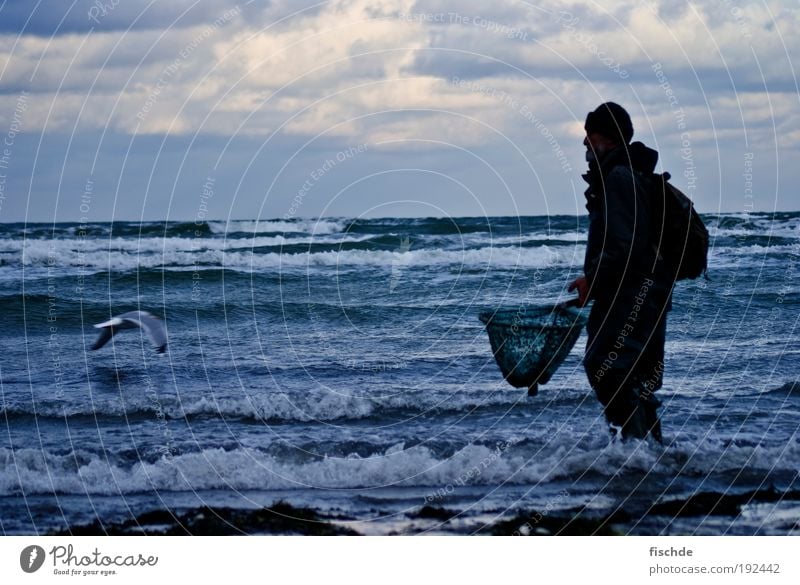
153,325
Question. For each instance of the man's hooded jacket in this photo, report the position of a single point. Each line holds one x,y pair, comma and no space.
620,249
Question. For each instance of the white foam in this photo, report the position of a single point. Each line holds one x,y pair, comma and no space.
756,226
727,254
528,238
38,251
34,471
129,255
783,232
306,226
308,406
244,468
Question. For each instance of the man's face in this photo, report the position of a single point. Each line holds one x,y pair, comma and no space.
597,145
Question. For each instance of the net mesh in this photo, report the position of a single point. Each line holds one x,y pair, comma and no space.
530,343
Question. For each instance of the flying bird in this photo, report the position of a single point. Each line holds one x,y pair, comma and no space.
151,324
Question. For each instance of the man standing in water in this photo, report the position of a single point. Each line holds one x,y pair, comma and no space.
623,275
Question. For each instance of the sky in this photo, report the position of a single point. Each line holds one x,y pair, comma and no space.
193,110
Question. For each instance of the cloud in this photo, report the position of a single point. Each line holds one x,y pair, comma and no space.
314,70
408,76
49,18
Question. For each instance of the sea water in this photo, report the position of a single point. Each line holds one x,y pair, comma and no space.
340,364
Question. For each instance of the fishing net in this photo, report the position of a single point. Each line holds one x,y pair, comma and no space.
530,343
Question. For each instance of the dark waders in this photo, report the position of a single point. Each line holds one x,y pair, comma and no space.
624,358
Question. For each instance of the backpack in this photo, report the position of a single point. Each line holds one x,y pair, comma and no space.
681,238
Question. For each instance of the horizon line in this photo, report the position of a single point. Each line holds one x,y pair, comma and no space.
344,217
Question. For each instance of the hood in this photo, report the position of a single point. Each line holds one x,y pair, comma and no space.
635,155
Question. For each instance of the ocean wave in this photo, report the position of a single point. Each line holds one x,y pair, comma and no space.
34,251
43,255
715,232
325,406
175,229
92,230
58,252
747,223
515,462
778,249
528,238
28,308
765,223
788,389
304,226
274,408
439,226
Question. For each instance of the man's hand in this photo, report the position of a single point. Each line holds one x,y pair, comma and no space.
583,290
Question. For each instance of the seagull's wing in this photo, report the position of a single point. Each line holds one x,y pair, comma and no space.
109,328
114,322
106,333
152,325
